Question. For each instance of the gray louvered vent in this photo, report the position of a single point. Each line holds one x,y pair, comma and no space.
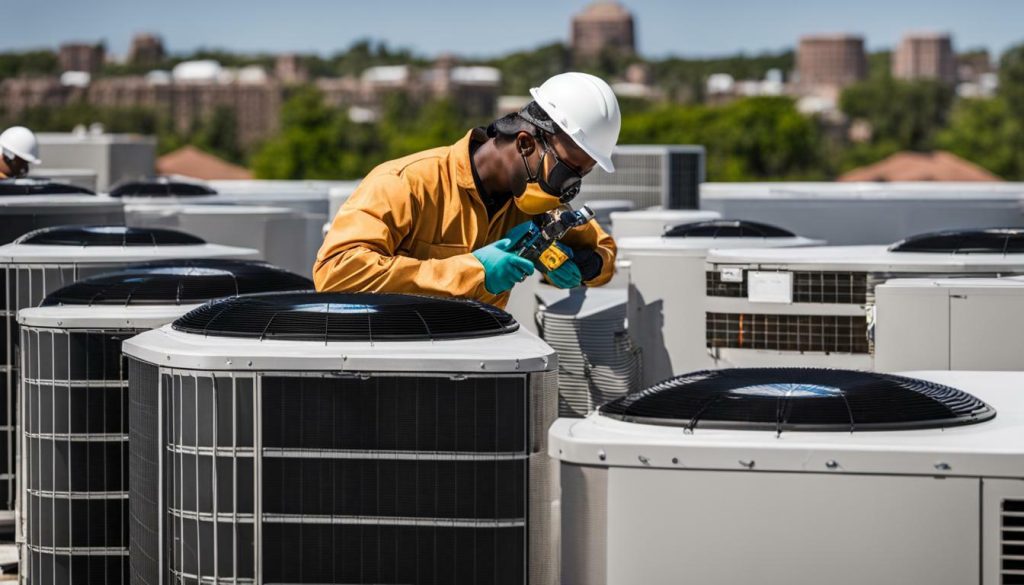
665,175
1012,543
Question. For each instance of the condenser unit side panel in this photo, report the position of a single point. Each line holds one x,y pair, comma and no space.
912,331
1002,526
986,331
848,530
753,358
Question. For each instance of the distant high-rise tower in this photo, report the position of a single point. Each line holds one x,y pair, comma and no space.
831,61
602,26
925,56
147,49
81,57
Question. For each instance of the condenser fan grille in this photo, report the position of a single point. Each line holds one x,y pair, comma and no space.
800,399
107,235
39,187
178,281
985,241
346,317
727,228
160,188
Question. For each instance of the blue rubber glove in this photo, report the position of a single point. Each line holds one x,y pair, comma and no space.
568,274
502,269
518,231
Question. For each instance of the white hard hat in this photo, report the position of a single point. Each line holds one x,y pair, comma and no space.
20,142
585,108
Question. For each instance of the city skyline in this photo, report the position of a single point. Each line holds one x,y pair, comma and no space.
687,29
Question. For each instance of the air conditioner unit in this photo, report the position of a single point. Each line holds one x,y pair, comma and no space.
667,284
45,260
815,306
75,403
341,438
799,476
604,208
949,324
868,213
282,235
292,245
650,175
654,222
597,359
338,195
30,204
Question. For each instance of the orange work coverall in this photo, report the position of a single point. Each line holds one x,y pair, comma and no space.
412,224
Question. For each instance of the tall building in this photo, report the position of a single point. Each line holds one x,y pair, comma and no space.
146,49
925,56
81,57
602,26
289,68
830,62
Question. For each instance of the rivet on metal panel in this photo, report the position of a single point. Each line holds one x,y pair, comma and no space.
483,366
249,363
517,364
832,464
942,466
643,459
749,464
602,455
675,461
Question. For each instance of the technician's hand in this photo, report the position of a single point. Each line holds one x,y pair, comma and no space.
502,270
568,274
518,231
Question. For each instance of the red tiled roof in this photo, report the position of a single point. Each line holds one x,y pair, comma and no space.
921,166
189,161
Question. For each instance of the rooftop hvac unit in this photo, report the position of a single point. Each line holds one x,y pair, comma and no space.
815,306
284,237
667,284
30,204
868,213
297,195
654,222
597,360
74,449
604,208
949,324
341,438
650,175
42,261
799,476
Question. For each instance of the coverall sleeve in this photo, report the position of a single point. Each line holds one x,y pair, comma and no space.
360,252
591,235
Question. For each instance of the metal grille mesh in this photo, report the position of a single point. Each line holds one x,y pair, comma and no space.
74,454
786,332
144,472
382,479
652,177
808,287
1012,542
23,286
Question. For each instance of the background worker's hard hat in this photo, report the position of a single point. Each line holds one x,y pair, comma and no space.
585,108
20,142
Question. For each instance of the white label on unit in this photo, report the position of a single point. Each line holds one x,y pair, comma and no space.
769,287
731,274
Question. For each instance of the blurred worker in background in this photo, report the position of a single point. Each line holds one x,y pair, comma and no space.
440,222
20,149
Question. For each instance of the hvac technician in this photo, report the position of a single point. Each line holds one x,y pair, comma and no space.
20,149
433,222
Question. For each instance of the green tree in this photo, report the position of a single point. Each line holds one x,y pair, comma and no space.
907,114
1011,80
987,133
28,63
750,139
219,135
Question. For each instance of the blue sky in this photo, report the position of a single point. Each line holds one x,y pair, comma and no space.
479,27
